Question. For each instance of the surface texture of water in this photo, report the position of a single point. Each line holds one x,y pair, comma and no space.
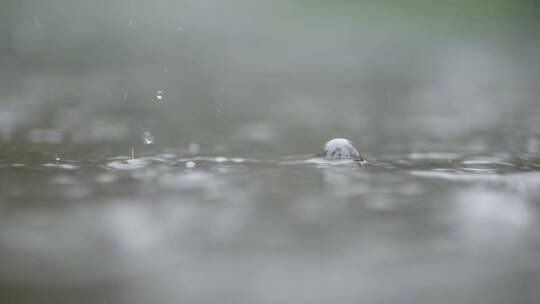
419,227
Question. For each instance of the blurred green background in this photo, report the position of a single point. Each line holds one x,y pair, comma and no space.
283,74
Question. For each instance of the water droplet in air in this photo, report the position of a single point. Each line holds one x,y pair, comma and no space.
147,138
159,95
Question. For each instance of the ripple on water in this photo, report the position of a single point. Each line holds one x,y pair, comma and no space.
433,156
325,162
17,165
217,159
491,163
525,182
128,164
61,166
220,159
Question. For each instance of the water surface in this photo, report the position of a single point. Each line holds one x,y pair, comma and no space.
419,227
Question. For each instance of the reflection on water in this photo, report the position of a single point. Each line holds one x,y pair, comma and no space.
276,230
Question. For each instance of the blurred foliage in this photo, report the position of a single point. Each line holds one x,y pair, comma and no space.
463,17
80,31
218,60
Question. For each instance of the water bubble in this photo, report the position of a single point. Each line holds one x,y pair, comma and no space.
341,148
159,95
148,138
190,164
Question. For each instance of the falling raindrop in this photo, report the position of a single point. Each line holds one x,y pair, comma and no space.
159,95
148,138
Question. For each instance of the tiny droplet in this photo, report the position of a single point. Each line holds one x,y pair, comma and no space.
159,95
148,138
